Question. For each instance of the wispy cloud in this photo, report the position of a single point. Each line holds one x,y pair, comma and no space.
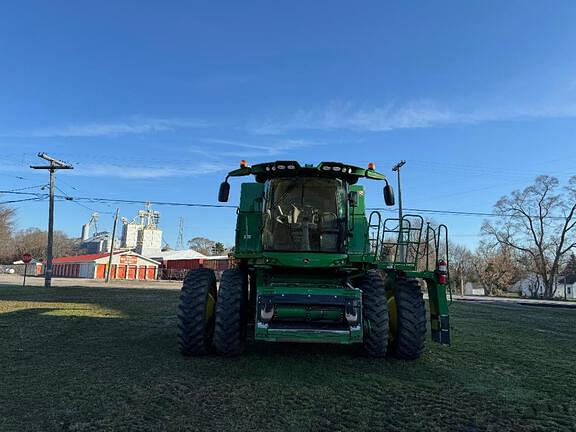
133,172
133,126
218,148
156,172
412,115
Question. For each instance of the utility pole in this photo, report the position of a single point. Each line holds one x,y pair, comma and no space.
402,246
112,246
55,165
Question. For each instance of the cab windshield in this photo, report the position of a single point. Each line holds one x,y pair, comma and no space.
305,214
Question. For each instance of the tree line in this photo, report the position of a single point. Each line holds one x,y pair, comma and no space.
35,241
532,237
31,240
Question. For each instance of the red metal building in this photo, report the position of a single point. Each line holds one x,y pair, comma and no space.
125,265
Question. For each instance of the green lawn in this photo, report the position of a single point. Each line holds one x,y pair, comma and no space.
99,359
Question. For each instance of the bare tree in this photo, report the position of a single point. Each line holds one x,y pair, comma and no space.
219,248
496,267
34,241
533,285
461,266
203,245
570,267
6,229
538,222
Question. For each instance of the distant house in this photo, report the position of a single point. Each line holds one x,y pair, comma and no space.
567,287
532,286
33,268
473,289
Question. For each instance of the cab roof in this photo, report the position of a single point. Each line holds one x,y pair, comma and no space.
268,170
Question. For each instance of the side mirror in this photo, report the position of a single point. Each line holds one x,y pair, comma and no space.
389,195
353,198
224,192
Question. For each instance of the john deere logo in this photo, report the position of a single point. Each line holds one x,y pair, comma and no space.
306,260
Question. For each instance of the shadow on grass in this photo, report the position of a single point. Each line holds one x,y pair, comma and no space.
83,370
143,308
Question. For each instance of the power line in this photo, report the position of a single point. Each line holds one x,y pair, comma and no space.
27,188
446,212
21,200
71,199
12,192
125,201
14,176
453,212
183,204
69,185
167,203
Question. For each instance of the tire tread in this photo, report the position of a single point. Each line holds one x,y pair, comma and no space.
411,333
375,312
196,286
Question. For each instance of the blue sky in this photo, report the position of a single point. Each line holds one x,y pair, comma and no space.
157,100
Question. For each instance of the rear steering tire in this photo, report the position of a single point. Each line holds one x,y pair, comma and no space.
196,312
375,314
230,328
408,319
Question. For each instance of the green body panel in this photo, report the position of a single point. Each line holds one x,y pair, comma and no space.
305,312
249,221
328,287
308,296
438,304
358,225
304,259
308,336
300,303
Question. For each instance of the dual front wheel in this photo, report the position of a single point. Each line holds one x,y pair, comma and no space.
394,314
210,318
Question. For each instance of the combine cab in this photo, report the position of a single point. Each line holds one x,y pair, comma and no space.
311,266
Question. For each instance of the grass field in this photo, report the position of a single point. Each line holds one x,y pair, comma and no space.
103,359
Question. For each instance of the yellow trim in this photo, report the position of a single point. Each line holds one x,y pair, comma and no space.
210,306
392,317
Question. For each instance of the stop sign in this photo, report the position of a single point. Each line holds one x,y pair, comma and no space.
26,258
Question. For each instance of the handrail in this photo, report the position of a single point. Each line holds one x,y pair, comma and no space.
409,234
371,225
444,228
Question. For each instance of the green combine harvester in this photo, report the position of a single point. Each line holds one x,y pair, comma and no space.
311,266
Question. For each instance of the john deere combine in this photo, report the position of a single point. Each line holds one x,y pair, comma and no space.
311,266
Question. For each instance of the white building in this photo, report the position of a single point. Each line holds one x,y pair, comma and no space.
143,234
473,289
185,254
130,234
149,242
533,286
567,287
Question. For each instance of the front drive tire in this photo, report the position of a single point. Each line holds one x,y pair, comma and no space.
408,319
231,310
196,316
375,314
